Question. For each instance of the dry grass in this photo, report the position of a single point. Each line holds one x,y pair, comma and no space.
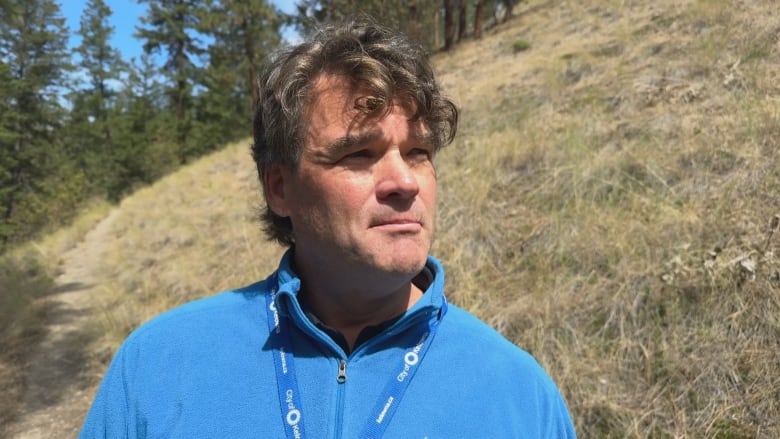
27,276
616,187
27,272
608,205
190,235
23,278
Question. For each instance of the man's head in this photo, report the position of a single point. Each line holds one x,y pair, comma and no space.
385,66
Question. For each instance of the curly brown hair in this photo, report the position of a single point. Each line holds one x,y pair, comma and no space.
383,61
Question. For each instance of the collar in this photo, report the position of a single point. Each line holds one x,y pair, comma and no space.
431,305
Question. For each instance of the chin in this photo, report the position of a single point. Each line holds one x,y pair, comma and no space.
407,258
410,265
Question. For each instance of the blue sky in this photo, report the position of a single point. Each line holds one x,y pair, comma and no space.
125,16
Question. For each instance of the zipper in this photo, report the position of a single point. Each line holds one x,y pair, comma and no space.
341,379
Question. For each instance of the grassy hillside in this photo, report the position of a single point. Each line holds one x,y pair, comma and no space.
611,204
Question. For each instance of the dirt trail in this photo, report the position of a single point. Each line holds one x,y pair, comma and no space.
59,384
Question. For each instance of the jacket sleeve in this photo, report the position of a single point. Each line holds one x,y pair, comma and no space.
562,427
109,416
557,421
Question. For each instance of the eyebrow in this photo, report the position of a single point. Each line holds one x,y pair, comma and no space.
352,140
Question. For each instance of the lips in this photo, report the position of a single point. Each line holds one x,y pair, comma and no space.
396,222
398,225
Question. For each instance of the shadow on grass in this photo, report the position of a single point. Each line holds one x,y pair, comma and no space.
44,354
71,287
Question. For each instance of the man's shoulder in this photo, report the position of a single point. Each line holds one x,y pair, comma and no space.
470,332
220,311
512,369
462,321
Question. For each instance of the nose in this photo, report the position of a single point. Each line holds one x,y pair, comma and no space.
395,177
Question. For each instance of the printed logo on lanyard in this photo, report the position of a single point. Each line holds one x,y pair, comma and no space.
411,359
293,417
395,388
272,307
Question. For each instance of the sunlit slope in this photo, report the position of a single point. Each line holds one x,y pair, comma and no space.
608,205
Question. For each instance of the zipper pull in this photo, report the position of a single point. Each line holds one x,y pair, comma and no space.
342,377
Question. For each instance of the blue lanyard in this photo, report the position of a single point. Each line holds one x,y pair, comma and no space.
287,383
396,387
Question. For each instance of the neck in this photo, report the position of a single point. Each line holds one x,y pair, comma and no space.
350,315
349,307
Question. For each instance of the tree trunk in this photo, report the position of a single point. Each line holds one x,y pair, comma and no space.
436,34
249,55
478,10
510,7
449,24
462,19
413,26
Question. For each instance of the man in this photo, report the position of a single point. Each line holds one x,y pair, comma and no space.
351,337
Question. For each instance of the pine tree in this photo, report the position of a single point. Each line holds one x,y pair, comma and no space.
144,152
243,33
93,103
8,137
172,27
408,15
33,39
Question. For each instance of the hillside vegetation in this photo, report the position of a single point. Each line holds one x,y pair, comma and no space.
611,204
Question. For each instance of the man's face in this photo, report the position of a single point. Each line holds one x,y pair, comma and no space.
364,193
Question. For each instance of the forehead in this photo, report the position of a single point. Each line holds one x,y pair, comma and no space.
338,106
333,97
331,112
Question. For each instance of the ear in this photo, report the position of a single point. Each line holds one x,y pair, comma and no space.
275,191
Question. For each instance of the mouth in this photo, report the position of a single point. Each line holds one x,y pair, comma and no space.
398,225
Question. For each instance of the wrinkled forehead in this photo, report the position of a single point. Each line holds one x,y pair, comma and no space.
332,95
341,113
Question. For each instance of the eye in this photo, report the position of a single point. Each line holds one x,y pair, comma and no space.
357,157
359,154
421,153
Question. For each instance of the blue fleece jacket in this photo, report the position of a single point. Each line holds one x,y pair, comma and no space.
206,370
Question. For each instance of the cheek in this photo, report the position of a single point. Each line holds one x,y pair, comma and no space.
427,184
344,201
351,192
